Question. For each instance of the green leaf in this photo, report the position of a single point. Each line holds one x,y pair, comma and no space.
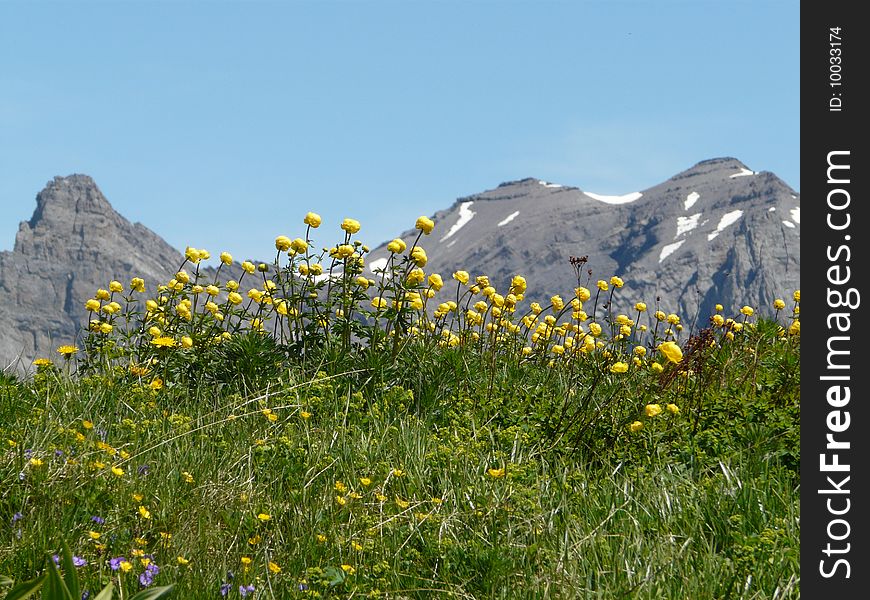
154,593
56,589
106,593
25,589
70,576
4,581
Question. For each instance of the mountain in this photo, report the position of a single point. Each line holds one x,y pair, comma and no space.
715,233
74,244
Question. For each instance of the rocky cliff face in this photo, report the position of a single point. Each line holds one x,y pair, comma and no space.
715,233
74,243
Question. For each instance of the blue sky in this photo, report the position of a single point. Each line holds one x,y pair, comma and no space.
219,124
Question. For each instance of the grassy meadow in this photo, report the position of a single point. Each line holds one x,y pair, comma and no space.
312,431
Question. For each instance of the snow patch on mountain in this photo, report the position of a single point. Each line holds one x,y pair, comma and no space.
691,199
624,199
669,249
796,214
377,265
727,219
547,184
465,215
788,224
509,218
743,173
686,224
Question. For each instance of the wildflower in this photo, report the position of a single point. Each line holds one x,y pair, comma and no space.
246,562
796,296
163,341
397,246
42,362
619,367
747,310
657,367
616,282
340,500
462,277
125,566
595,329
244,590
144,512
418,256
117,471
321,538
78,561
92,305
601,285
263,517
234,298
36,462
248,267
718,320
188,478
225,588
115,563
350,225
137,284
282,243
305,414
635,426
398,472
186,342
102,294
379,302
313,220
348,569
402,503
156,384
671,351
365,481
640,307
182,561
794,328
779,304
274,568
652,410
435,281
640,351
672,408
67,350
673,319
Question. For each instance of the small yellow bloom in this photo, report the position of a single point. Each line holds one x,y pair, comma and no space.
462,277
144,512
398,472
94,535
402,503
67,350
496,473
619,367
796,296
636,426
348,569
274,568
117,471
673,408
350,225
282,243
264,517
779,304
747,310
602,285
182,561
321,538
671,351
652,410
313,220
365,481
188,478
397,246
425,224
36,462
126,566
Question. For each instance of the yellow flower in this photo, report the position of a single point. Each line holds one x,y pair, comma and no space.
144,512
94,535
254,540
36,462
616,282
418,256
249,267
425,224
495,473
274,568
226,258
102,294
640,307
673,319
636,426
365,481
671,351
379,302
672,408
348,569
779,304
282,243
747,310
156,384
163,342
186,342
263,517
602,285
657,367
137,497
435,281
92,305
340,487
42,362
182,561
796,296
718,320
719,308
462,277
397,246
67,351
321,538
652,410
117,471
402,503
246,562
341,500
188,478
313,220
398,472
350,225
619,367
794,328
125,566
305,414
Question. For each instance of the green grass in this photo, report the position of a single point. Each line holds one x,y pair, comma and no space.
701,504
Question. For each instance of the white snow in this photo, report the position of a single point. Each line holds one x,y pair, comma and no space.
771,209
451,243
726,220
743,173
465,215
377,265
670,249
691,199
624,199
788,224
509,218
549,185
796,214
686,224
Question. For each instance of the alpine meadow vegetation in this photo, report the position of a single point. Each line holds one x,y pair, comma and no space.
313,429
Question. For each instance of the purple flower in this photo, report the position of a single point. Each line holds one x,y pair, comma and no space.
55,558
78,561
143,470
86,594
98,520
58,452
147,576
115,563
244,590
225,589
17,517
303,587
